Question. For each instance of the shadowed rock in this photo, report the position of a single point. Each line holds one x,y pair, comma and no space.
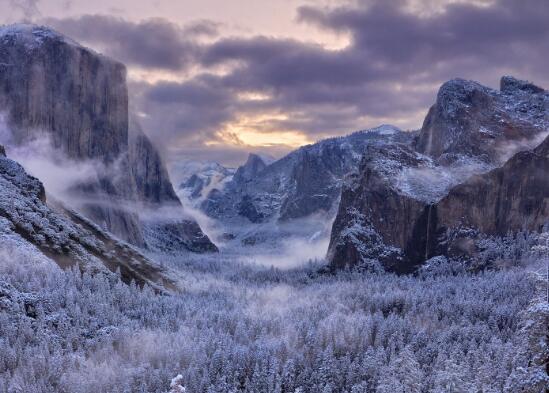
473,120
512,198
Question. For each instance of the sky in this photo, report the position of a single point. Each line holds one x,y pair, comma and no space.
213,80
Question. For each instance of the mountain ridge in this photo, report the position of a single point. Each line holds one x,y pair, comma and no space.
54,232
304,182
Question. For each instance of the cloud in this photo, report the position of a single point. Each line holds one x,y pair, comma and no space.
188,111
397,57
29,8
393,35
25,10
153,43
40,159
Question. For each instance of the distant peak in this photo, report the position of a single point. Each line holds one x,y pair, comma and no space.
510,84
255,157
457,92
252,167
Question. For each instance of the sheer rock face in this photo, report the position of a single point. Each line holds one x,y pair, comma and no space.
305,182
405,205
511,198
74,95
150,176
64,236
378,216
103,203
254,165
53,87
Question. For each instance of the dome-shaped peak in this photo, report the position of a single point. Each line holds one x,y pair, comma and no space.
458,93
254,164
265,159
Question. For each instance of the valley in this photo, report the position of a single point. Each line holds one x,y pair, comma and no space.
381,261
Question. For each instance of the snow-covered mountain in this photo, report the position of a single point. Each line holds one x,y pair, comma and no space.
197,179
475,169
305,182
42,233
75,102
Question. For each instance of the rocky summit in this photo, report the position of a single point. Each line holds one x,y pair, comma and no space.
472,120
198,178
478,167
54,88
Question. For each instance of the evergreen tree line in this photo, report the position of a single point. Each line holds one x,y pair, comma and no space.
237,328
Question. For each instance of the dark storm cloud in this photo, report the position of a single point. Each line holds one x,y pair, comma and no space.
153,43
389,43
394,63
274,64
386,31
198,92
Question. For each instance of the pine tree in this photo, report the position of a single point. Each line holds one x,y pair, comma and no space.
402,375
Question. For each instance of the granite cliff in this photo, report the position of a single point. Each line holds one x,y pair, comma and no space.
474,169
54,88
305,182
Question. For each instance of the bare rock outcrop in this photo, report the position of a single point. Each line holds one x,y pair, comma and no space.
253,165
512,198
476,121
53,85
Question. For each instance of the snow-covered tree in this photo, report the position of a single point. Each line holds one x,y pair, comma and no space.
176,385
239,328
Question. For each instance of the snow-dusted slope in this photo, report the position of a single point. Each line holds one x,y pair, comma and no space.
30,226
32,35
476,121
197,179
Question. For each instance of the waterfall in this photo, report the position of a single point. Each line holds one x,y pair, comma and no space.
428,231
